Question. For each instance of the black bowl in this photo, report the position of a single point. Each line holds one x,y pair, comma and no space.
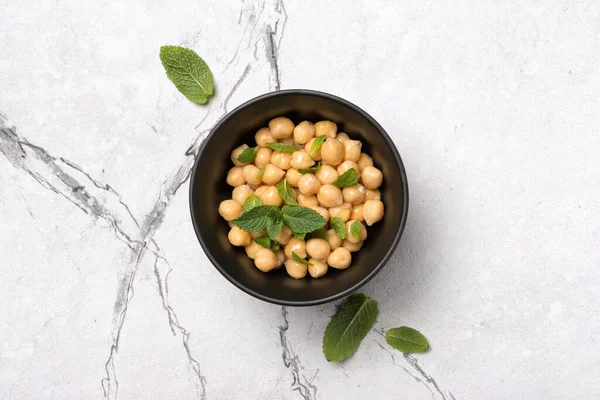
208,188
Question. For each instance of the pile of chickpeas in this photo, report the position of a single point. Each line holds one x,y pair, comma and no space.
336,155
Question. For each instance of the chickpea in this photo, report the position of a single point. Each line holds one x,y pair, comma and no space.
281,159
318,248
303,132
317,154
252,249
296,245
372,194
323,211
372,211
251,174
280,256
371,177
317,268
346,165
357,213
284,235
289,141
309,184
333,239
235,177
301,159
340,258
325,128
361,236
238,237
295,269
236,153
263,156
330,196
271,197
352,150
351,247
265,260
258,234
230,209
342,137
264,136
354,194
327,174
308,201
332,151
272,174
281,127
292,176
260,190
342,211
241,194
364,161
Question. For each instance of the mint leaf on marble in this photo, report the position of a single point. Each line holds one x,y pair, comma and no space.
407,340
302,220
189,73
348,178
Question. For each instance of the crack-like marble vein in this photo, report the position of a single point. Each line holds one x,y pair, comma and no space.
412,361
274,36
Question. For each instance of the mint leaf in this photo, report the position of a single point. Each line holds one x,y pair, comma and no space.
407,340
251,202
316,145
302,219
300,235
188,72
355,229
320,234
274,222
261,172
299,259
286,193
339,226
285,148
254,220
310,170
264,241
348,178
248,155
348,327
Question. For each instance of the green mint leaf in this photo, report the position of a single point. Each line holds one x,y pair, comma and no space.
261,172
302,219
311,170
355,229
339,226
316,145
286,193
264,241
299,259
274,245
248,155
284,148
254,220
320,234
407,340
274,222
300,235
188,72
348,178
348,327
251,202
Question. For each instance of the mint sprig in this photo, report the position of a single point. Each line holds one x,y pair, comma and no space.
188,71
286,193
267,243
347,179
299,259
407,340
355,229
284,148
302,219
316,145
251,202
320,234
311,170
255,220
261,172
339,226
248,155
274,222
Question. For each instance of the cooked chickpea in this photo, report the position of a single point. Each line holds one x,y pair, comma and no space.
333,239
295,269
330,196
251,174
308,201
327,174
332,151
260,190
318,248
352,150
342,211
265,260
364,161
317,268
272,174
301,159
373,211
252,249
235,177
292,176
258,234
284,235
354,194
342,137
271,197
317,154
241,193
309,184
323,211
289,141
346,165
372,194
281,127
296,245
264,136
280,256
361,236
351,247
281,159
325,128
236,153
303,132
230,209
263,156
340,258
357,213
371,177
238,237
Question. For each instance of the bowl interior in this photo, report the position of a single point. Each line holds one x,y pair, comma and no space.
208,189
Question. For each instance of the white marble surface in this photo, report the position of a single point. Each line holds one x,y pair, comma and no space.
495,108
